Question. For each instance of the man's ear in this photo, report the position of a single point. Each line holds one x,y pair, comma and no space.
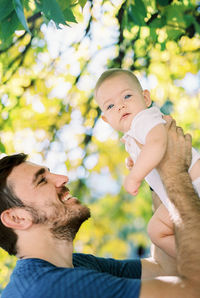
147,97
16,218
104,118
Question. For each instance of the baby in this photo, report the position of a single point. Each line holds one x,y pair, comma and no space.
126,107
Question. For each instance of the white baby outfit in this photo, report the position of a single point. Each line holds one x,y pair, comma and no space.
141,125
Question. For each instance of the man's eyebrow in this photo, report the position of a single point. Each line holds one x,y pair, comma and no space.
38,173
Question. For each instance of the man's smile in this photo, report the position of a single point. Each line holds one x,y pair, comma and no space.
65,196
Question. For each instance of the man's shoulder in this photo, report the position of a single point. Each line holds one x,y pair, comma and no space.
32,276
130,268
88,261
25,273
89,278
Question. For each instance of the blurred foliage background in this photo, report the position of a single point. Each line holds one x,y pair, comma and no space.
48,70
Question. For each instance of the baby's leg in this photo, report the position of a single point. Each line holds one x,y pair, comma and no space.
161,231
195,176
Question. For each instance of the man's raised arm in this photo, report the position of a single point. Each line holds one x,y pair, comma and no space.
185,207
185,213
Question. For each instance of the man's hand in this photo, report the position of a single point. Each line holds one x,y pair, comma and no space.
177,158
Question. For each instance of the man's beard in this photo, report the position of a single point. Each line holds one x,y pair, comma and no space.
66,226
64,220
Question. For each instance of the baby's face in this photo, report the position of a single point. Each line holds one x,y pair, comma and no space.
121,100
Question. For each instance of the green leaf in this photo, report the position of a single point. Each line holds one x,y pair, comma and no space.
2,148
52,11
153,35
189,20
69,16
174,15
174,34
141,9
20,13
163,2
26,4
158,22
163,46
64,4
6,8
197,26
82,3
135,16
137,13
9,25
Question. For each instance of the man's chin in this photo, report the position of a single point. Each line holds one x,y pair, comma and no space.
67,230
86,212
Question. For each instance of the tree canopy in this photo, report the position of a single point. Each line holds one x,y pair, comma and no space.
51,55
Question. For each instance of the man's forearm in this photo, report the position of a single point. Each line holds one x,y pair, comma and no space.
185,212
185,204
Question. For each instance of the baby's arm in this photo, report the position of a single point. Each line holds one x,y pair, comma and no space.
161,231
150,156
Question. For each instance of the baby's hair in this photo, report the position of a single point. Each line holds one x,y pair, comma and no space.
114,72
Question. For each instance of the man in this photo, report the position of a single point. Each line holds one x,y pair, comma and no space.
40,218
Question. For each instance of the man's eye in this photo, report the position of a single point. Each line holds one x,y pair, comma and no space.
127,96
42,180
110,106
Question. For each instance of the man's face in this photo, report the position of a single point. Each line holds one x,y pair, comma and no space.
120,101
47,198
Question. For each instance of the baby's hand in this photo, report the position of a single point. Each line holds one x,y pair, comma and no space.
131,185
129,163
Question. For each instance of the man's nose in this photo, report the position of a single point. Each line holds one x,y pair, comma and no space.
59,180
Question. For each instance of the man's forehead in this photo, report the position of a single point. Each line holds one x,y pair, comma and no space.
23,171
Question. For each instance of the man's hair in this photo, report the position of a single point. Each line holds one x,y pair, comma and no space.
108,74
8,199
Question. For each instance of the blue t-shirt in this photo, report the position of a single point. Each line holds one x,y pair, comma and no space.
91,277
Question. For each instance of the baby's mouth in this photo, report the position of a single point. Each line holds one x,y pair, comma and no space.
124,116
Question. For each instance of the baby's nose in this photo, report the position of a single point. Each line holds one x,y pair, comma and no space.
121,106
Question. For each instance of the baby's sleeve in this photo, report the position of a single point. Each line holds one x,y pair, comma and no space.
144,122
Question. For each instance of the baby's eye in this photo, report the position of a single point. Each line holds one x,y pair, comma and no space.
110,106
127,96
